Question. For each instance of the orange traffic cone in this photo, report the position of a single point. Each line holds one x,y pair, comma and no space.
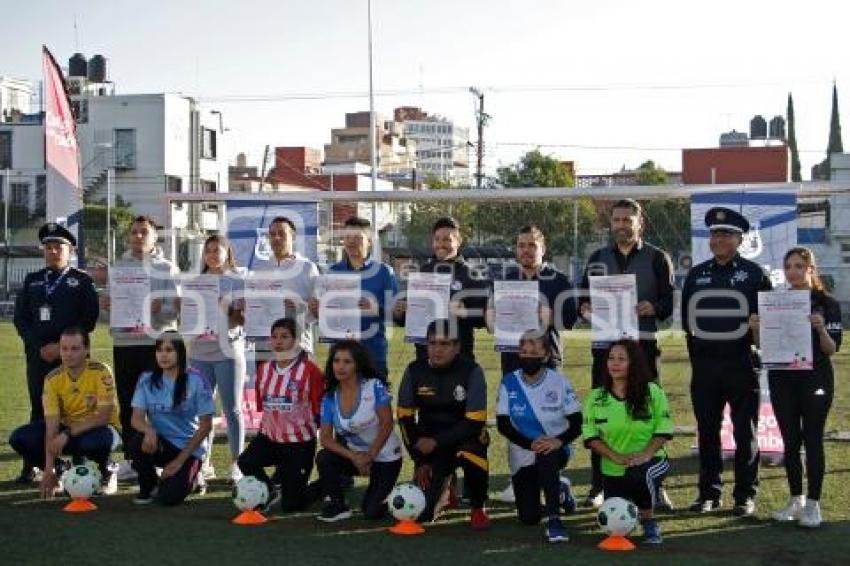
79,505
616,543
407,527
249,518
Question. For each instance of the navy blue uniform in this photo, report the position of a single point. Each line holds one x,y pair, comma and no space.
50,302
723,367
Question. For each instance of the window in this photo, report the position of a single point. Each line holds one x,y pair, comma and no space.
5,150
40,196
208,149
20,194
208,186
174,184
125,148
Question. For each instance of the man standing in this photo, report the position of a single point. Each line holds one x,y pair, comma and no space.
718,297
80,416
442,410
52,299
378,288
653,270
469,288
557,299
132,350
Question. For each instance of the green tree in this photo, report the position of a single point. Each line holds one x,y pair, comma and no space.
667,220
823,170
501,221
792,142
94,228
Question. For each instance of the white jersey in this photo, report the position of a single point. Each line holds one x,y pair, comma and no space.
535,410
359,429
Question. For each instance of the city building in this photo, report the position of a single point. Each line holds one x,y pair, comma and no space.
442,148
396,155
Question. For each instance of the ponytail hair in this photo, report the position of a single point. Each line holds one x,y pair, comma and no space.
181,383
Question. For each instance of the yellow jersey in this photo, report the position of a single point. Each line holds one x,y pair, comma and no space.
76,400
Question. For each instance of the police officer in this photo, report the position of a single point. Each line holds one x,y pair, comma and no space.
718,297
469,288
52,299
653,271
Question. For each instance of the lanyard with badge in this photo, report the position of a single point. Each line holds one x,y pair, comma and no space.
49,289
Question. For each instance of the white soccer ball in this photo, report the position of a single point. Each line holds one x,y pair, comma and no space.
250,493
80,482
95,469
406,502
617,516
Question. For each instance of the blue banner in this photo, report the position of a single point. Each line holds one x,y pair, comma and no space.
248,224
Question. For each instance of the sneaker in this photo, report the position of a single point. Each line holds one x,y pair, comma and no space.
745,508
334,511
651,532
109,483
27,475
792,511
274,499
594,500
444,499
235,473
126,471
663,502
566,497
811,516
145,498
479,520
507,494
555,531
454,500
207,472
702,505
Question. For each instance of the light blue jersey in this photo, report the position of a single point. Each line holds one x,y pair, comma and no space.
176,425
535,410
358,429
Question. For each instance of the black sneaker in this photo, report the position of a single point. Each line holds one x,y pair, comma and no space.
334,511
145,498
274,499
27,475
744,508
702,505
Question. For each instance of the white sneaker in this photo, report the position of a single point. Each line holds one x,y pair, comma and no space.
126,471
208,472
507,494
235,473
811,515
109,484
792,511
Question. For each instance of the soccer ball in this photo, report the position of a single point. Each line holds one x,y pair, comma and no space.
80,482
94,469
250,493
617,516
406,502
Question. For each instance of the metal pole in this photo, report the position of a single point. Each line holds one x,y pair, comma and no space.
109,173
373,157
6,195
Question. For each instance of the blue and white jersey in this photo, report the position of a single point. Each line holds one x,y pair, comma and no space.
358,429
178,424
535,410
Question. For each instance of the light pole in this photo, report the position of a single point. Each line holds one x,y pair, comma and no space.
373,158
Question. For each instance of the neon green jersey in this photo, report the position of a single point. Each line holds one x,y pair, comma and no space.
607,418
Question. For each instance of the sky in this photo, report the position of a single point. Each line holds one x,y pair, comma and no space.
604,83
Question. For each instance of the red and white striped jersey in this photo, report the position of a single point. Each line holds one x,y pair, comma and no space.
290,400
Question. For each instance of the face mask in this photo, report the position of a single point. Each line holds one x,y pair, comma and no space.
531,366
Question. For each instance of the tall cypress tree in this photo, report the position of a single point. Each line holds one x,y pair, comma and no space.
835,145
792,142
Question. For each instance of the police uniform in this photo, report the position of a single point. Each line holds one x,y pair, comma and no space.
449,405
724,367
50,302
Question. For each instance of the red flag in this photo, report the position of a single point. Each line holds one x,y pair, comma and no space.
64,197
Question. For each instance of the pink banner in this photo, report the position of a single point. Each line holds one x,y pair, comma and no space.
768,435
64,198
